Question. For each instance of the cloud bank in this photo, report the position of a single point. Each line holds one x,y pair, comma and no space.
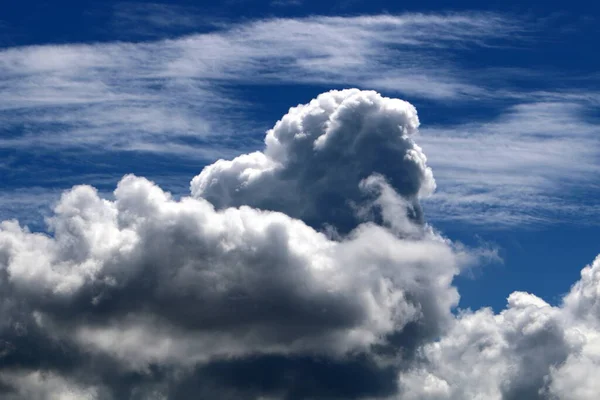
305,270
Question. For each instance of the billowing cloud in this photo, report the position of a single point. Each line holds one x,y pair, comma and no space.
487,356
316,156
233,278
530,350
303,271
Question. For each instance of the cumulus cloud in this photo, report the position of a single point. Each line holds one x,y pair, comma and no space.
305,270
317,155
311,256
245,270
488,356
530,350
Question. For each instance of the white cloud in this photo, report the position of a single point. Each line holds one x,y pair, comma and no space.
316,156
175,97
577,377
487,356
144,295
137,95
519,168
144,281
529,350
235,253
583,299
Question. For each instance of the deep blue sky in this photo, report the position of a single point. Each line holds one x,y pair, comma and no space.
545,227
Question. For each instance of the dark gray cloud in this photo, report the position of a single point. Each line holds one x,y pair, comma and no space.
292,378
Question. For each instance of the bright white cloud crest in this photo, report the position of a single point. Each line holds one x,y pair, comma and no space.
301,271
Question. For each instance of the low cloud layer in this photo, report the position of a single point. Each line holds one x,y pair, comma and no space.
303,271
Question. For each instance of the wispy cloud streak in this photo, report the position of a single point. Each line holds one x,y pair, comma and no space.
126,95
178,97
522,167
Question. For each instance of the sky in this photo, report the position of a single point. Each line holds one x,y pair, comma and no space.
297,199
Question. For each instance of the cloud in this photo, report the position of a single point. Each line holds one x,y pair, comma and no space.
316,156
520,168
180,97
235,292
38,386
145,294
487,356
28,204
135,96
529,350
156,20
